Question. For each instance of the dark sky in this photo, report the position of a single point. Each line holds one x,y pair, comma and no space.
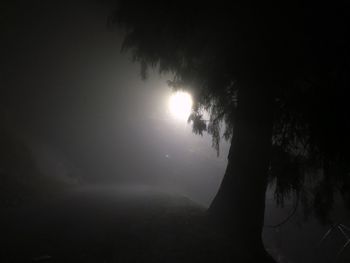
81,105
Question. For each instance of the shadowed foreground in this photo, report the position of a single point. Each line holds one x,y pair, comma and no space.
111,225
140,224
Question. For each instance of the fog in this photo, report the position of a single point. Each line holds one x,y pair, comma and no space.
86,142
82,108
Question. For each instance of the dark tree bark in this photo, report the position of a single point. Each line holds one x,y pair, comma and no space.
240,202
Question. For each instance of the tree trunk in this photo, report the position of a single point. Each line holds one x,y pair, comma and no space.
240,202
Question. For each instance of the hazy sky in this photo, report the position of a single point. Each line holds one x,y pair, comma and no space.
81,103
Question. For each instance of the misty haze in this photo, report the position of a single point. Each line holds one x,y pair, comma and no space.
174,132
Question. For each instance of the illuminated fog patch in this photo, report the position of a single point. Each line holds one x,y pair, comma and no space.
180,105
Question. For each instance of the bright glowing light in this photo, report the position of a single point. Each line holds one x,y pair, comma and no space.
180,105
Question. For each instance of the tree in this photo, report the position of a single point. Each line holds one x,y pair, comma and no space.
276,74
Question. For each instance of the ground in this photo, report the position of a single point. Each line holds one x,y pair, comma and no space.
135,224
110,224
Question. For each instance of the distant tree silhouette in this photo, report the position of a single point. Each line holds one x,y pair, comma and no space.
276,73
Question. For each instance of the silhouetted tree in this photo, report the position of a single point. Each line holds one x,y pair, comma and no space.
276,74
